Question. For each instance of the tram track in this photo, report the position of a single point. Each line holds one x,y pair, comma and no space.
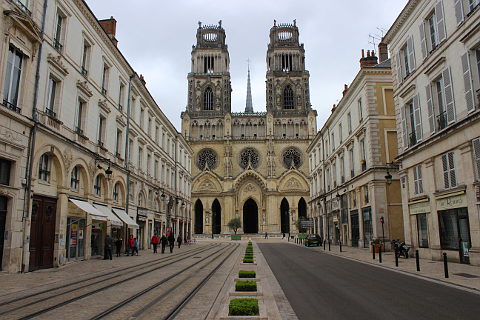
122,275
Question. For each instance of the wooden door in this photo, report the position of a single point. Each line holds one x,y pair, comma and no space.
42,233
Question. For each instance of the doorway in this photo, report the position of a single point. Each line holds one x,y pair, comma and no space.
75,238
250,217
285,216
216,217
355,228
198,217
42,233
3,219
302,213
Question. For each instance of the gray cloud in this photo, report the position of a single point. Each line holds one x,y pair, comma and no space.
156,38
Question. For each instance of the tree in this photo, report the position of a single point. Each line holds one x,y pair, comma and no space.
235,224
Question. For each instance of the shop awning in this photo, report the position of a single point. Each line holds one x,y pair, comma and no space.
125,218
87,207
110,216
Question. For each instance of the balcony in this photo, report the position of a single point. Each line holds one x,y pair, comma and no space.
79,131
51,113
11,106
442,120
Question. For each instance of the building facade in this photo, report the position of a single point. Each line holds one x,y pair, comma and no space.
250,165
435,47
101,157
351,199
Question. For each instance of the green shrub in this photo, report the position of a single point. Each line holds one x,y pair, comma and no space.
247,260
246,286
243,307
246,274
249,255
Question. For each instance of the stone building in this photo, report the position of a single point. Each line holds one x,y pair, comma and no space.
351,199
435,47
250,165
100,156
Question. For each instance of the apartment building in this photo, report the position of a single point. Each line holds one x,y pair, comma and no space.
435,46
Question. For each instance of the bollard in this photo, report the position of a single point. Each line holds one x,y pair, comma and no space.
324,244
373,251
445,264
417,260
328,245
340,243
396,258
380,255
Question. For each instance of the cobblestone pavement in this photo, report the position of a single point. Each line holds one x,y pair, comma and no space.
462,275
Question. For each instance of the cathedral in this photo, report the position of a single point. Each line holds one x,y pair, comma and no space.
250,165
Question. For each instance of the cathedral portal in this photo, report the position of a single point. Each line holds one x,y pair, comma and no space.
250,216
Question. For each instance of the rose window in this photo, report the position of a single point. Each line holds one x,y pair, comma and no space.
249,156
292,157
207,157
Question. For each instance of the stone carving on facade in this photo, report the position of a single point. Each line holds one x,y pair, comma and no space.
56,61
250,188
83,86
9,136
207,185
293,184
67,159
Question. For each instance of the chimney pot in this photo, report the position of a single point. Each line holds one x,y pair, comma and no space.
363,53
382,51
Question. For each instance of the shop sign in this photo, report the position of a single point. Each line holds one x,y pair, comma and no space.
452,202
420,207
142,214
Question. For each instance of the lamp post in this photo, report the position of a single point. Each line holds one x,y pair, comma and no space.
383,233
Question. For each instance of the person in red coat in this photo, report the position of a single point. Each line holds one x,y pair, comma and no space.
155,243
131,245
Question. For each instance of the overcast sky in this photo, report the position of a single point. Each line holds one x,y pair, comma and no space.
157,37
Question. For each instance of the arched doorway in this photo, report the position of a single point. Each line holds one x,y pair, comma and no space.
302,212
198,217
250,216
216,217
285,216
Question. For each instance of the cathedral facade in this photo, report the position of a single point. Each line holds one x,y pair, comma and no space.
250,165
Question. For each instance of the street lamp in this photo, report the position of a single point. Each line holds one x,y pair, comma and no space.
388,177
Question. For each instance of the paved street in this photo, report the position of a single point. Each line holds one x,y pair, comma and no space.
323,286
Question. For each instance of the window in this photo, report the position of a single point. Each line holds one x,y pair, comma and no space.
448,165
334,173
5,166
118,144
405,60
422,229
208,64
417,179
464,8
116,188
142,117
75,179
432,30
156,134
44,168
288,101
140,157
101,130
80,117
85,57
454,228
97,187
149,128
23,4
349,122
468,75
412,122
342,169
52,97
340,133
105,73
365,194
155,169
12,79
363,159
476,156
352,163
59,33
208,99
121,96
149,160
333,142
360,111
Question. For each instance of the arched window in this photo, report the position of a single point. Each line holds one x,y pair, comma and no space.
288,98
75,179
44,168
208,99
97,187
116,189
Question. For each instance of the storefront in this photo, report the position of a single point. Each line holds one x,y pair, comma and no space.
115,224
129,224
75,238
142,225
454,224
419,211
367,226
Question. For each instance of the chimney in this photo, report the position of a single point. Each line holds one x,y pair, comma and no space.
142,80
334,107
382,51
345,88
369,61
110,27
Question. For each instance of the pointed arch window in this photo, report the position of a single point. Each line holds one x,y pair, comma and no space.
208,99
288,98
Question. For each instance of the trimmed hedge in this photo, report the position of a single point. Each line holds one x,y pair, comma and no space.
247,260
245,285
243,307
246,274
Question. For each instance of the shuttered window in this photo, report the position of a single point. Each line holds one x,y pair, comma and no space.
464,8
417,179
448,165
467,81
476,156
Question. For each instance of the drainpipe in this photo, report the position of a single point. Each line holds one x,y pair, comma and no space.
127,159
31,149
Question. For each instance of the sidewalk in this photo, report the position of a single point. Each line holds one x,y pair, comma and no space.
463,275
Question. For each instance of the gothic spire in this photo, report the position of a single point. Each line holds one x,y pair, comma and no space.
249,106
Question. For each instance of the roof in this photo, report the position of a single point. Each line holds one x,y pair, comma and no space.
385,64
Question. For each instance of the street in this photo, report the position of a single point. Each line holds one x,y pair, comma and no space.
322,286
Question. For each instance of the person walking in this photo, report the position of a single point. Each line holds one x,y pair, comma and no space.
155,243
171,242
108,247
135,246
131,245
266,235
118,246
163,242
179,241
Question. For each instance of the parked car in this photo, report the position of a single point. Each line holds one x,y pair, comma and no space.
313,240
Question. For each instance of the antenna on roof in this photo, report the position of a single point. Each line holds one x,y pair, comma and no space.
373,41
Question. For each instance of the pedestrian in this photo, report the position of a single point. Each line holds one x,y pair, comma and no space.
289,237
118,246
171,242
131,245
155,243
266,235
283,235
179,241
163,242
135,246
108,247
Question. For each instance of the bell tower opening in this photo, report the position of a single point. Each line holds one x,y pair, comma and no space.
250,216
